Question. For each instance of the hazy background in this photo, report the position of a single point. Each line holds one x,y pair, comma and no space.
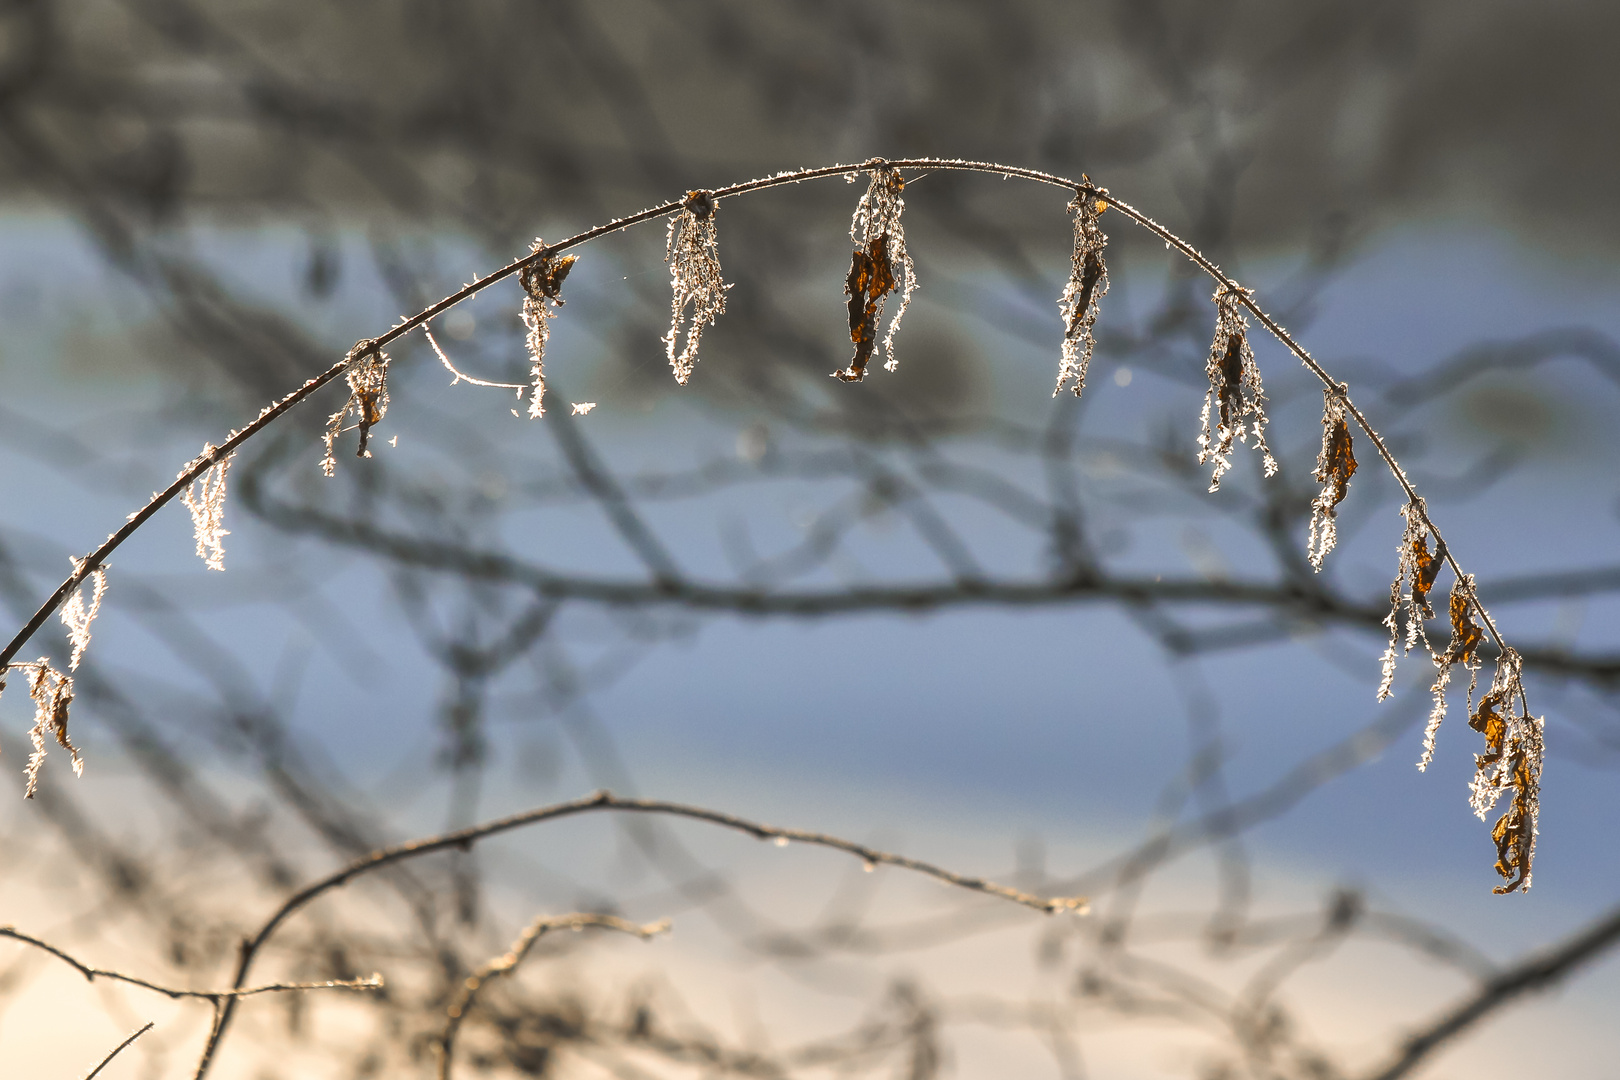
207,204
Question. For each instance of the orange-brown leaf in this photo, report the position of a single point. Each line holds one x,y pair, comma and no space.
1340,465
1466,634
1488,722
1427,568
871,277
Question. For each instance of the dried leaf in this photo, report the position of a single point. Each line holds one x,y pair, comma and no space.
1088,281
871,277
368,400
1466,636
692,251
1408,593
1427,569
1335,465
542,282
52,693
1514,753
1234,392
878,266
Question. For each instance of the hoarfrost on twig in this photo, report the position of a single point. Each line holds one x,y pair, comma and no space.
878,266
1235,398
1088,281
78,615
693,253
205,498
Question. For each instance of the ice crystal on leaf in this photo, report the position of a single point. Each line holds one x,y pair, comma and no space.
205,498
1514,749
878,266
693,254
368,400
1415,574
1335,465
78,615
1235,404
52,692
1088,281
542,282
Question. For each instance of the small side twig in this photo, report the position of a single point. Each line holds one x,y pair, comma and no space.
120,1048
463,839
91,974
508,961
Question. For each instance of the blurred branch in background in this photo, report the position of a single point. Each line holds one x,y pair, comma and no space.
468,624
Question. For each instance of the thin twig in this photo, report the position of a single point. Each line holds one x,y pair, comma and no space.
508,961
463,839
461,376
91,1075
374,982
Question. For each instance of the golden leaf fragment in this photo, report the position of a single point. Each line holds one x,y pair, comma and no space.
1428,568
1466,634
871,277
1335,465
1514,752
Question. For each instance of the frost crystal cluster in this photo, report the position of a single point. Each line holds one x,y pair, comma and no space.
693,254
1235,403
78,615
205,498
542,281
1088,281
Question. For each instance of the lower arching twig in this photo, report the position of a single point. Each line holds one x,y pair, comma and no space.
462,839
504,964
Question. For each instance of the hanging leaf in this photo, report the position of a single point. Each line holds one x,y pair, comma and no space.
878,266
693,254
1235,394
1335,465
1088,281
